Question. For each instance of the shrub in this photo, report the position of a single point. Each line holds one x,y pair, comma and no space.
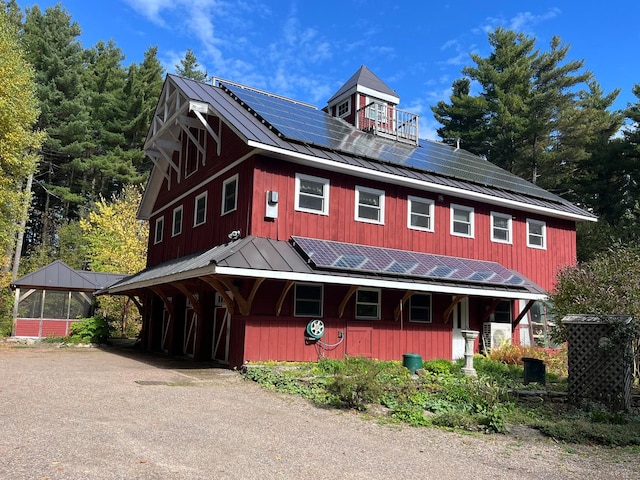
358,384
93,330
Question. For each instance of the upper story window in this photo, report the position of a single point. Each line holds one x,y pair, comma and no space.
369,205
230,194
200,210
308,300
177,221
194,150
536,234
368,303
500,228
420,308
462,221
159,230
344,108
421,214
312,194
378,112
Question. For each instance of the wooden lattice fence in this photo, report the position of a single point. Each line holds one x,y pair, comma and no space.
600,359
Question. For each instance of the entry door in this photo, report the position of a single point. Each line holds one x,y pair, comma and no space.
460,322
221,335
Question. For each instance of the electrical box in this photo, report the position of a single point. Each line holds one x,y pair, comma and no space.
272,205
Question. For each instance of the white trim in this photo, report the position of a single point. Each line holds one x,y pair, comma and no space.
543,224
380,207
173,221
471,212
195,208
504,216
224,191
333,278
411,199
387,177
325,194
348,111
378,95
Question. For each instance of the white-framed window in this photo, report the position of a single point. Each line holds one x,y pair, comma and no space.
536,234
308,300
159,230
176,225
420,308
200,210
462,221
420,212
368,303
369,205
312,194
501,228
378,112
343,109
229,194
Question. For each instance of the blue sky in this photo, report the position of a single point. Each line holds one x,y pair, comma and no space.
307,49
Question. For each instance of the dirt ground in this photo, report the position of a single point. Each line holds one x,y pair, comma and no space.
111,413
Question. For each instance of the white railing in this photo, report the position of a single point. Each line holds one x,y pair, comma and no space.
388,121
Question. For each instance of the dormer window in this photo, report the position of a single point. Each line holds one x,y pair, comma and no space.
344,108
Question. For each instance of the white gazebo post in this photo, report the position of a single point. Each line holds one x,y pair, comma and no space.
469,338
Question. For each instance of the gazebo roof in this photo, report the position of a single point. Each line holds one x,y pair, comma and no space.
60,276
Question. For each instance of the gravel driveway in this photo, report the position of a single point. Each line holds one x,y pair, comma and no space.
88,413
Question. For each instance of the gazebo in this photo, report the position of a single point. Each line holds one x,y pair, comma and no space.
50,299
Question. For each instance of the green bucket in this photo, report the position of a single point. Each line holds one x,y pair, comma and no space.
412,362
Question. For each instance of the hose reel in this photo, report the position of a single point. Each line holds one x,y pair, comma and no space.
315,329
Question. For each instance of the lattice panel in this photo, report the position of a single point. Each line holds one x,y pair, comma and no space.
598,371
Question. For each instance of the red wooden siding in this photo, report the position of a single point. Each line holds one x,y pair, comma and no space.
42,327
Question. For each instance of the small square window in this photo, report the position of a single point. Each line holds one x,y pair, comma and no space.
200,210
500,227
369,205
177,221
159,230
308,300
502,313
536,234
420,308
461,221
312,194
230,195
368,304
344,108
421,214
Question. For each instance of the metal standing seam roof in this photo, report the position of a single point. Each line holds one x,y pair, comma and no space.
373,153
262,257
59,276
365,78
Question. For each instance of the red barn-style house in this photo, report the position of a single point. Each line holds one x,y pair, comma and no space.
285,232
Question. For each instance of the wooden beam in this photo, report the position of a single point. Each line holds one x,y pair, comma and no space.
220,288
408,294
283,295
167,303
346,298
456,300
195,301
491,309
524,311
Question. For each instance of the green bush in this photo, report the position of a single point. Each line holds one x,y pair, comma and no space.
89,330
358,383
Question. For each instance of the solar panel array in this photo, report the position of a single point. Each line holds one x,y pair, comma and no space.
328,254
304,124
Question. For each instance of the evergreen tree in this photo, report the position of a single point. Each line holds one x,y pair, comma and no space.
189,68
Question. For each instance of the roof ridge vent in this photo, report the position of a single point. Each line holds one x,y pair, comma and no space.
221,81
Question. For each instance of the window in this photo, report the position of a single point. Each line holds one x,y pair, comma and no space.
200,210
312,194
502,312
308,300
421,214
177,221
461,221
368,304
500,227
420,308
230,195
194,150
536,234
344,108
369,205
378,112
159,231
